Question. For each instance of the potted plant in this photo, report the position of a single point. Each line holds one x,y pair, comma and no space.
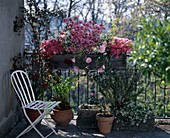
87,112
105,120
84,42
121,89
61,88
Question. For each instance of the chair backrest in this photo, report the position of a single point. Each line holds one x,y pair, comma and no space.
22,86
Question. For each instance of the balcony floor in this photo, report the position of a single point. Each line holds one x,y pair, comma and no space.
161,131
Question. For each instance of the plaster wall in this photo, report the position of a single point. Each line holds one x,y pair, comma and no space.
10,44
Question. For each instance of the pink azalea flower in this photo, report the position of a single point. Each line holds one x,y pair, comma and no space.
75,69
105,54
65,19
101,70
88,60
90,21
91,94
120,46
73,60
102,48
62,36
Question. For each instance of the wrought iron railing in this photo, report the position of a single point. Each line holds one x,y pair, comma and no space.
154,95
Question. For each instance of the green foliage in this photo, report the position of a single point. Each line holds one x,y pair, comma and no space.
61,88
120,87
151,52
134,114
155,97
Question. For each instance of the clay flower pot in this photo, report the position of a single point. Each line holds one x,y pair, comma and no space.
62,117
105,122
33,115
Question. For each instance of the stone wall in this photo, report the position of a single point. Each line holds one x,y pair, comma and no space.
10,44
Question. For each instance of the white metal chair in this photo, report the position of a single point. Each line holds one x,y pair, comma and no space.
22,86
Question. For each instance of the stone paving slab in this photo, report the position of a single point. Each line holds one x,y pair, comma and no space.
72,131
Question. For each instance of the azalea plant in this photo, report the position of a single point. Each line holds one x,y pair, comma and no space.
49,48
84,40
119,46
91,47
81,37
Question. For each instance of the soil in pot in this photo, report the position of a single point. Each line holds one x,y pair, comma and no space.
105,122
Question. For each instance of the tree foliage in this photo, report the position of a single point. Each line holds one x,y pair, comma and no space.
152,47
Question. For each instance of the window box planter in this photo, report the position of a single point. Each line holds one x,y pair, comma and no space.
64,62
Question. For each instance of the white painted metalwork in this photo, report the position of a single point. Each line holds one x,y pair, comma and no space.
22,86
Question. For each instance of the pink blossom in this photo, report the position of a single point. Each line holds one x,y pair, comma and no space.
102,47
120,46
105,54
73,60
103,66
88,60
76,17
80,22
90,22
91,94
82,35
101,70
48,48
65,20
70,19
62,36
75,69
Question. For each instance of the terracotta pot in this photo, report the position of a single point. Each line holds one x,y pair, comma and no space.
33,115
104,123
62,117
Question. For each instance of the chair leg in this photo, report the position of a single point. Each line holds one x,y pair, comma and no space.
25,131
50,126
28,129
32,125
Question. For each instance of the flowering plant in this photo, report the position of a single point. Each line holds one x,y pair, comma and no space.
84,40
120,46
79,36
49,48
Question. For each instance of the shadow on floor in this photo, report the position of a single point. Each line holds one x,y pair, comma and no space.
161,131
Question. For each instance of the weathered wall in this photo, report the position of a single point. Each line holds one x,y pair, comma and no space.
10,44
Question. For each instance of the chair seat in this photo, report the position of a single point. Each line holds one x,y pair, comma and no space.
41,105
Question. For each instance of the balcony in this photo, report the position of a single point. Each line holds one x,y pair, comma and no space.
153,95
81,96
161,131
